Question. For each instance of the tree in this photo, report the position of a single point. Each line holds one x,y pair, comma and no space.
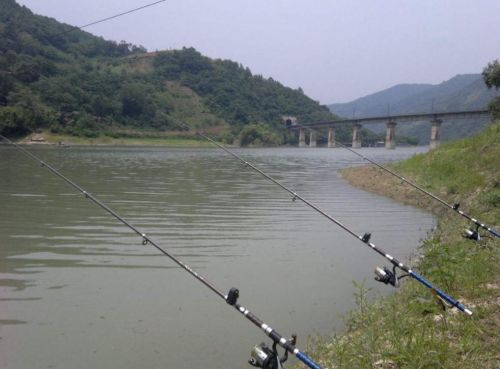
491,76
258,135
6,85
133,99
86,126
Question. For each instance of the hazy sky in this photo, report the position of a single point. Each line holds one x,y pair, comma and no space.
336,50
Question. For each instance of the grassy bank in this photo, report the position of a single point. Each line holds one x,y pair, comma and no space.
410,329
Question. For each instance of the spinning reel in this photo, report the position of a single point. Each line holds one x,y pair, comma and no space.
385,275
262,356
469,233
472,234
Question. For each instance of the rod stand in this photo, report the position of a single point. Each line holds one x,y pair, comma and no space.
441,303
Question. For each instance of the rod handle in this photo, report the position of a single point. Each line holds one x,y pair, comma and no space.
450,300
307,360
495,233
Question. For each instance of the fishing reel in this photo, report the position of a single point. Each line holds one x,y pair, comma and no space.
386,276
263,356
472,234
469,233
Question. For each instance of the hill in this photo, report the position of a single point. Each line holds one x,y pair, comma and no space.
58,78
462,92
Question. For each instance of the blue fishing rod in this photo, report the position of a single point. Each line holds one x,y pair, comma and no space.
471,233
384,275
262,356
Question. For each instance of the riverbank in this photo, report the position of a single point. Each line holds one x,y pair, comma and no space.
409,329
48,138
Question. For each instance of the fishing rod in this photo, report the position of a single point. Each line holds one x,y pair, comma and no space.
384,275
469,233
262,356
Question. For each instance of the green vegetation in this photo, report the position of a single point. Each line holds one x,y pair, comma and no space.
77,84
491,76
258,134
409,329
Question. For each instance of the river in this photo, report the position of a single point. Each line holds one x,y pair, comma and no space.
79,290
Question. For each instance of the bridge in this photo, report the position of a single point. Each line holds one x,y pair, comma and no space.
391,121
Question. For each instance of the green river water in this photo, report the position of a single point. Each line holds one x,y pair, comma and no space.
79,290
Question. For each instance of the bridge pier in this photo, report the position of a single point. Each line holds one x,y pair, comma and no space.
312,139
356,136
331,137
302,138
435,133
390,138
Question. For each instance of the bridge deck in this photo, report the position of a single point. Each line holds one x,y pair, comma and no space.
404,118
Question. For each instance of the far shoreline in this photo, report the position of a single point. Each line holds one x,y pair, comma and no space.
66,141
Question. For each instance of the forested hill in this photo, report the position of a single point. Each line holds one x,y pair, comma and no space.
57,78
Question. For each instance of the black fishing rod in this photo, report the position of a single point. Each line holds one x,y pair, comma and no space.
383,275
469,233
261,355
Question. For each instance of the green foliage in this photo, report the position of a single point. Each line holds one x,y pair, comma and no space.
85,126
134,100
491,74
181,64
258,135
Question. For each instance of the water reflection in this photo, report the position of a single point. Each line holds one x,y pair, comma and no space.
80,282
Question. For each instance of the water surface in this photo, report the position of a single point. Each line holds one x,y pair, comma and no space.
79,290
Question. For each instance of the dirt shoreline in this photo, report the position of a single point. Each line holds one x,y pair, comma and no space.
377,181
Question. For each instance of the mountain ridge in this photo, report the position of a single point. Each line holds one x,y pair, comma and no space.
460,93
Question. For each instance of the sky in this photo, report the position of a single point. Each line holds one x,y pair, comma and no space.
335,50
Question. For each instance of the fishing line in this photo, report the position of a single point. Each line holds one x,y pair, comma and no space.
74,28
383,275
261,355
469,233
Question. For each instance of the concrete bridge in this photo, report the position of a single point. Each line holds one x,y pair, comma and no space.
391,121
